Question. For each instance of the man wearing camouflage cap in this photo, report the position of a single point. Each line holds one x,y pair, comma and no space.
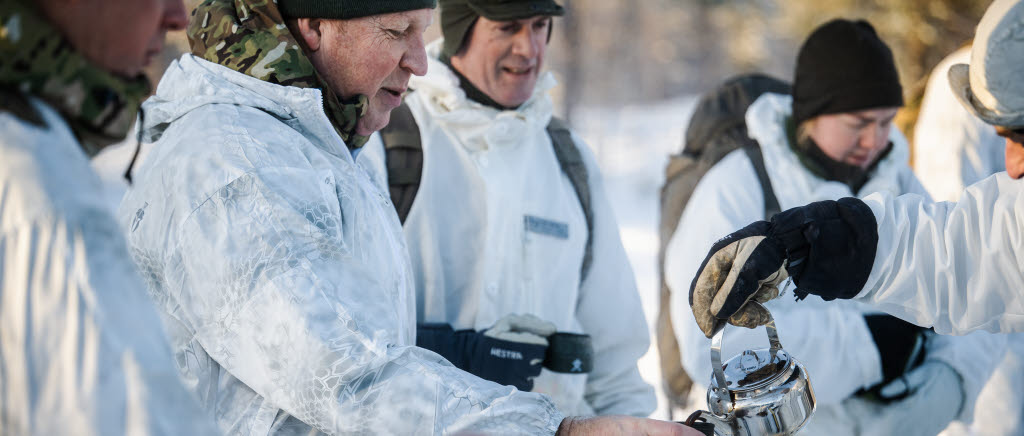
277,262
506,218
82,350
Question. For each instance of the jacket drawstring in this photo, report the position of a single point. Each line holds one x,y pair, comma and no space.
138,146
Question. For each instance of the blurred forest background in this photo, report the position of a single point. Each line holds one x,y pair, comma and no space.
629,52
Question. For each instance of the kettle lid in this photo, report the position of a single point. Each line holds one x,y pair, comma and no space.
756,369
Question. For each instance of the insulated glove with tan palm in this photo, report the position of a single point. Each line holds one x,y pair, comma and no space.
827,248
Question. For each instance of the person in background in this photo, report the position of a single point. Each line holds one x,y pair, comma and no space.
507,220
277,263
832,138
953,148
952,266
82,350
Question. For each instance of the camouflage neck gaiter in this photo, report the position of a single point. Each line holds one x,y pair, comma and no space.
35,59
250,36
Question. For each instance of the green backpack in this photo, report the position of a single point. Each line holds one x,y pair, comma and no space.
717,128
403,148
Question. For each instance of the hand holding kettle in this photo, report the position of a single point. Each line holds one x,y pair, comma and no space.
764,392
826,247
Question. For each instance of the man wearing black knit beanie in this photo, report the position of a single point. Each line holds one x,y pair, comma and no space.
287,292
832,138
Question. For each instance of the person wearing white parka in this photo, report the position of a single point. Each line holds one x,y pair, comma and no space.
497,228
953,149
82,350
833,138
276,261
953,266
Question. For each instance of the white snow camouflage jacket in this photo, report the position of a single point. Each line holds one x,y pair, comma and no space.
82,350
281,273
954,149
830,338
487,176
953,266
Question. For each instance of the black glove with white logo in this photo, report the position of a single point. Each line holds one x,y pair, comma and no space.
510,353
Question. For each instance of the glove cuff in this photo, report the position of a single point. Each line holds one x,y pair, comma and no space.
830,246
570,353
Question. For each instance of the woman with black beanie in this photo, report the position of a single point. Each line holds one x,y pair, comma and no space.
832,138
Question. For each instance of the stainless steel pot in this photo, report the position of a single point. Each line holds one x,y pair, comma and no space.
759,392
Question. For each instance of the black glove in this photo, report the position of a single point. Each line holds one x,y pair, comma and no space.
501,361
839,243
827,248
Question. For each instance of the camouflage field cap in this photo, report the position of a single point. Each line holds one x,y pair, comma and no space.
251,37
458,16
346,9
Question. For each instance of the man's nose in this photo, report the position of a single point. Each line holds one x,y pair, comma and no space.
174,17
415,58
527,42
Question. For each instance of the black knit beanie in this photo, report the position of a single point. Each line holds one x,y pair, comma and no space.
458,16
346,9
844,67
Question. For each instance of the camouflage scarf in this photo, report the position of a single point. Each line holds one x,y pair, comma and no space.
250,36
99,106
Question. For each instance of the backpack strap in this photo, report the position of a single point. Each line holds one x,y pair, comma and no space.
403,155
403,148
571,161
771,203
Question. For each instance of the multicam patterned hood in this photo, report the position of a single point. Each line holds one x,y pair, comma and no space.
250,36
99,106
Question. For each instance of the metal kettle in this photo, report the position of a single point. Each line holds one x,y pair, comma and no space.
757,393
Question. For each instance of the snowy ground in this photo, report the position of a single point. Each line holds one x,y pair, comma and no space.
632,145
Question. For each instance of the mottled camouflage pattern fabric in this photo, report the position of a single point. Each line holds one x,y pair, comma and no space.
99,106
250,36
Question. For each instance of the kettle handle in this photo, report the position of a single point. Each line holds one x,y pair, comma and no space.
716,350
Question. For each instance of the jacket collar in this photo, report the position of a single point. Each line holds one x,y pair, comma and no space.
191,82
472,92
477,125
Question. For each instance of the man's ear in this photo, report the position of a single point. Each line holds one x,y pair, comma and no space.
309,30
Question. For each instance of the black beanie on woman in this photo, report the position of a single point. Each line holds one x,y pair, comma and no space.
348,9
844,67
